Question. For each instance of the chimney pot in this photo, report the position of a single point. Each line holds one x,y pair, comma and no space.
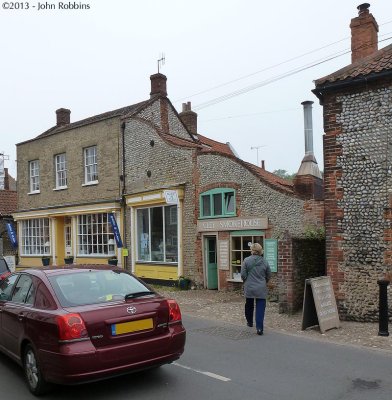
262,164
363,8
158,85
63,116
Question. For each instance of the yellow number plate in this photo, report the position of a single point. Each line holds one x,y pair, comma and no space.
133,326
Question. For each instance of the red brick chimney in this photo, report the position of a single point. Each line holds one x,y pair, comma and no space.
6,179
158,85
63,116
189,117
364,34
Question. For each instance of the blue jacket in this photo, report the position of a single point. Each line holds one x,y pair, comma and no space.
255,272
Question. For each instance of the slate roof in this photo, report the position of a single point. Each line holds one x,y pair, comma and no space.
8,202
375,63
120,112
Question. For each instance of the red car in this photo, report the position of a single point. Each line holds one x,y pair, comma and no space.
4,270
74,325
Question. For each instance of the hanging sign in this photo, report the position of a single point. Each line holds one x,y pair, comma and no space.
115,229
12,234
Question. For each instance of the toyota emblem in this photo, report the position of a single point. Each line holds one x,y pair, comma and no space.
131,310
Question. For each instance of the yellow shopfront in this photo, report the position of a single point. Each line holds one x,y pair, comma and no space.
156,234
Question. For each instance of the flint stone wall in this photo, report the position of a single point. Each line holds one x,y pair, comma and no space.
365,184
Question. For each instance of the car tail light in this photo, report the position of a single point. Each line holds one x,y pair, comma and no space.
174,311
71,327
4,275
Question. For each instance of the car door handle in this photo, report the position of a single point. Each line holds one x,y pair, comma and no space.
21,317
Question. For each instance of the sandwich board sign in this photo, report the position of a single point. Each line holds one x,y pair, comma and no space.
319,306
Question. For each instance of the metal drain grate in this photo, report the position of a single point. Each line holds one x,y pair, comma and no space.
227,332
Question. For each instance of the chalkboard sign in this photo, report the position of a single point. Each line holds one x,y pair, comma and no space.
319,306
271,253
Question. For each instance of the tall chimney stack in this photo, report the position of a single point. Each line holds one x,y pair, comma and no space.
189,117
308,181
158,85
364,34
63,116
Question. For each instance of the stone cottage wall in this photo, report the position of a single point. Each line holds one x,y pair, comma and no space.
285,211
168,165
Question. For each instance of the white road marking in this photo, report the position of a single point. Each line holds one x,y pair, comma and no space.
210,374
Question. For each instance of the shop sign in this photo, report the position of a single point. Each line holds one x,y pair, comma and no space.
171,196
115,229
319,306
223,254
231,224
12,234
271,253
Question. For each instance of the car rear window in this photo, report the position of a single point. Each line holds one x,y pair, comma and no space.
3,266
88,287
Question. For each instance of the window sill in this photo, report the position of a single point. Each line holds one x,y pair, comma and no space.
60,188
234,280
92,183
167,263
35,192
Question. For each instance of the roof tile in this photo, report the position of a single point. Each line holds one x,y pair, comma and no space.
377,62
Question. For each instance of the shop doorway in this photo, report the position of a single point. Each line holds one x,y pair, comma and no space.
67,237
211,262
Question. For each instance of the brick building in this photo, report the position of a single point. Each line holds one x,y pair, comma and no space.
185,205
357,103
8,201
68,189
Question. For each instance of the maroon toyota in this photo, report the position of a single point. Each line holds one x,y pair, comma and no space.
74,325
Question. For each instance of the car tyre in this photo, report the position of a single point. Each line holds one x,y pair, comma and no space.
34,378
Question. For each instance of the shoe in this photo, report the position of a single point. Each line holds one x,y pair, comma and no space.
259,332
249,324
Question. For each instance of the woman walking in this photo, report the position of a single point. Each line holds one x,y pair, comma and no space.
255,272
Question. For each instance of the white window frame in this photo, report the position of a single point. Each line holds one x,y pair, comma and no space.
90,166
35,237
34,176
166,220
94,232
61,171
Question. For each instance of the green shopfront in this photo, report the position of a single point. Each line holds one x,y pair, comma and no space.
225,244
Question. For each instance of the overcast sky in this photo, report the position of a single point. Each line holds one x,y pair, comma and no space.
99,59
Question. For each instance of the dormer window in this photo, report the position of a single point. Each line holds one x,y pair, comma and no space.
218,202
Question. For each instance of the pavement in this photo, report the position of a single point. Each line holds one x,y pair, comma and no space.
229,307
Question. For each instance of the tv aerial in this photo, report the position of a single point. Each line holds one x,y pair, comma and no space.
161,60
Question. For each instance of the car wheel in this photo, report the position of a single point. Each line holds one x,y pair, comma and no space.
34,378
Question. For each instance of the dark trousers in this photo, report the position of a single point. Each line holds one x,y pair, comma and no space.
260,311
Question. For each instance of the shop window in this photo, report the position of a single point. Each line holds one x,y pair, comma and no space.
217,203
95,235
240,248
35,237
157,234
